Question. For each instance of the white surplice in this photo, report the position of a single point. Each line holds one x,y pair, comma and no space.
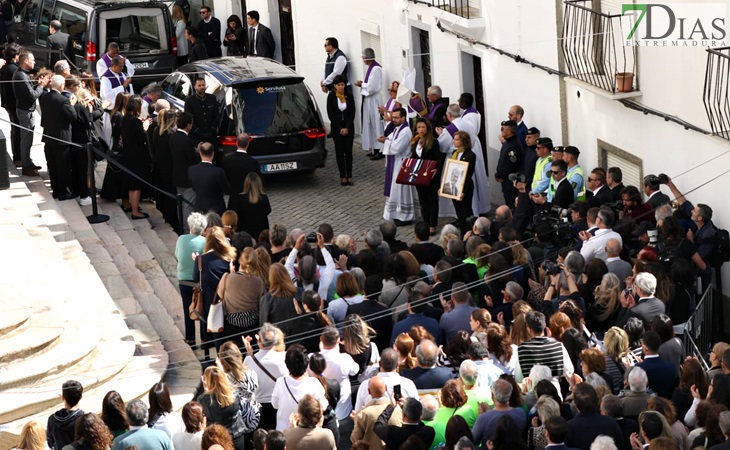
372,124
403,201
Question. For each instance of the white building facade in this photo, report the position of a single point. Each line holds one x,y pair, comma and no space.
557,60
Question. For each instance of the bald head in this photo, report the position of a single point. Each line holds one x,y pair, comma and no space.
503,214
376,387
426,354
430,407
515,113
613,248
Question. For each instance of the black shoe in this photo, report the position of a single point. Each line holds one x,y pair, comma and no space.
65,197
400,223
377,157
143,216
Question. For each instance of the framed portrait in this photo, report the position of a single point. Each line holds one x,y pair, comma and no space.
452,182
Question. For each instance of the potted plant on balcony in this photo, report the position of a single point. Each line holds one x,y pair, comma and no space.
624,81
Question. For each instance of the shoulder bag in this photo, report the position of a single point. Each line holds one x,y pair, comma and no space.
216,314
261,366
196,306
417,172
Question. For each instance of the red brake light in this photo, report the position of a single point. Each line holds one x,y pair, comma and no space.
227,140
315,133
91,51
173,44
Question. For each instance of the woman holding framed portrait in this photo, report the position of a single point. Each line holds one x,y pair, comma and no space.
457,183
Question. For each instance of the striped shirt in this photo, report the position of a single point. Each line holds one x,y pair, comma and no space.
541,350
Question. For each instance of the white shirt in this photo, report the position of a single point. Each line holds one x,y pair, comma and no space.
339,368
407,388
187,441
595,247
288,392
170,423
274,363
487,373
101,67
398,142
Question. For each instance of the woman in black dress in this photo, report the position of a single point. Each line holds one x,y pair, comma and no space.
463,152
341,112
424,146
135,155
113,187
252,206
163,166
235,39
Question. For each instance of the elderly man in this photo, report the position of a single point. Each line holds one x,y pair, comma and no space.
340,366
139,435
487,371
594,246
486,424
428,416
365,419
370,89
269,365
476,393
105,62
458,318
641,303
428,375
56,123
57,42
152,93
617,266
635,398
114,81
437,111
395,436
389,374
62,67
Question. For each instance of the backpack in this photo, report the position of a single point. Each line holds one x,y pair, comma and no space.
669,253
721,248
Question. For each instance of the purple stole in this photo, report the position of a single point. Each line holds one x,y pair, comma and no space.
417,105
370,67
389,105
470,110
107,60
113,79
451,128
390,159
431,115
147,100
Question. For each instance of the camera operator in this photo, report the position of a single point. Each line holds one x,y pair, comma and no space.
563,287
578,218
701,216
598,193
638,300
561,193
595,246
654,196
634,206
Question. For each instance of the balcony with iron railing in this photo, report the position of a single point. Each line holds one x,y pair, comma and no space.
717,91
468,9
594,50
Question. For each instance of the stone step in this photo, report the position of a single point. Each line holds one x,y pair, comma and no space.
39,333
14,315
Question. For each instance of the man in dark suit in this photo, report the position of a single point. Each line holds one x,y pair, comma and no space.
611,406
395,436
662,374
600,194
614,177
7,96
563,195
556,430
208,181
588,424
56,123
205,111
57,41
183,156
209,31
260,40
238,165
654,196
435,252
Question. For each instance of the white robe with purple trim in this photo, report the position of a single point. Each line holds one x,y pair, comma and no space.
372,124
402,204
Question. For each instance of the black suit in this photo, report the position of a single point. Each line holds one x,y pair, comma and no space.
602,197
58,41
616,192
7,96
463,207
56,123
183,156
564,195
428,196
658,200
263,40
209,183
206,117
394,436
197,51
342,120
433,252
237,165
210,34
662,375
584,428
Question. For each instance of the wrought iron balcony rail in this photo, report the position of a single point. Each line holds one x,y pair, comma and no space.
468,9
717,91
594,49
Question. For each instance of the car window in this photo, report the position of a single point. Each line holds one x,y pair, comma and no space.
31,11
74,23
177,85
136,30
274,108
46,17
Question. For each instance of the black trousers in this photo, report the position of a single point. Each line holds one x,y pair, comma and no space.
14,134
343,153
428,198
268,417
463,208
186,293
79,171
59,167
510,193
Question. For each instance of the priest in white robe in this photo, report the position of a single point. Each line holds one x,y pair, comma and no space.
401,204
370,88
480,200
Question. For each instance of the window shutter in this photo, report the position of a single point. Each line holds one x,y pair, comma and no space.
631,171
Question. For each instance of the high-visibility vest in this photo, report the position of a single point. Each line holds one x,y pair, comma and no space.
577,169
540,170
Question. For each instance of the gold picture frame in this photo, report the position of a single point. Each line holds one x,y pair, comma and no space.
454,178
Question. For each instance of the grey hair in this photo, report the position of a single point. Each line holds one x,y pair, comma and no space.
575,263
388,229
56,24
359,277
637,379
459,292
482,225
434,90
412,409
725,422
368,53
137,413
60,66
595,380
430,407
422,287
663,211
153,88
374,238
455,248
502,391
514,290
468,372
267,335
426,353
646,282
540,372
546,407
464,444
295,233
57,82
454,110
161,104
448,229
197,223
611,406
603,442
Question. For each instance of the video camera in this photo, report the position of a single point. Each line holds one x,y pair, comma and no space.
517,177
656,180
552,268
557,218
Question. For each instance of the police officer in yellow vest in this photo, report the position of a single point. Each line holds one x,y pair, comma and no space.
575,176
541,181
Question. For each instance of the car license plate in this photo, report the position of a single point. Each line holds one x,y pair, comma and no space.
142,65
280,167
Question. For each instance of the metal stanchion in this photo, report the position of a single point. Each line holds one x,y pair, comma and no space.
181,225
95,217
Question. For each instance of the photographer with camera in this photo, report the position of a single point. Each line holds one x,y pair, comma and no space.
704,234
638,300
595,246
654,196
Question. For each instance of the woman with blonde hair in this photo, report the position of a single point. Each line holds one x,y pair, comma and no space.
229,219
180,23
243,380
242,292
252,205
405,347
163,166
356,336
262,265
604,310
616,350
220,404
216,260
278,306
546,408
32,437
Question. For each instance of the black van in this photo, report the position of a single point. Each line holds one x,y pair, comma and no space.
143,30
264,99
